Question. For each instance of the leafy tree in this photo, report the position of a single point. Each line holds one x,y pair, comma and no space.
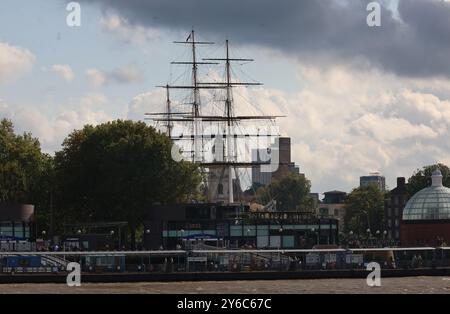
115,171
25,172
364,209
422,178
291,193
21,165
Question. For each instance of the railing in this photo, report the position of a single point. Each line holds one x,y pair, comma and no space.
217,260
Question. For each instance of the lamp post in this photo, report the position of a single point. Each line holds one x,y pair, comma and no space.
280,246
146,241
316,236
368,236
181,236
281,237
378,233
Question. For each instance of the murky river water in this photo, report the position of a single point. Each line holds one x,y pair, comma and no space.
389,285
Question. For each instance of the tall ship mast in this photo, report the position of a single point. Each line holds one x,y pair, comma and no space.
212,133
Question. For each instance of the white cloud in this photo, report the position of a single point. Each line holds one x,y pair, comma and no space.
123,75
345,122
115,24
51,130
14,62
93,99
64,71
96,77
152,101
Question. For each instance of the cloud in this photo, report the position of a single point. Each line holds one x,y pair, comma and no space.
118,25
124,75
414,39
152,101
51,130
64,71
93,99
347,122
344,123
14,62
95,77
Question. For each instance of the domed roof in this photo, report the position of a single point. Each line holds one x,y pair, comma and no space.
432,203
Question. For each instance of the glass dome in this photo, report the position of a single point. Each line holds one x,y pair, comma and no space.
432,203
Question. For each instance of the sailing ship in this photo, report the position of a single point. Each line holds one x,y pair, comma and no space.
212,133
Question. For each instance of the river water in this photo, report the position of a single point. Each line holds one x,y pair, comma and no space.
335,286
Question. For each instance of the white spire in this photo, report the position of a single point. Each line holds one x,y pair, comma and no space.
436,178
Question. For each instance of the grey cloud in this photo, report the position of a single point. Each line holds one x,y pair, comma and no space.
313,30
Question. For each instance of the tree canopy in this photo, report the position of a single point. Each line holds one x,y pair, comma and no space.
364,209
22,166
116,170
291,193
421,178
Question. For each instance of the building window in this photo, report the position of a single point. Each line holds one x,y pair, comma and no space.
323,211
6,229
19,231
220,189
396,200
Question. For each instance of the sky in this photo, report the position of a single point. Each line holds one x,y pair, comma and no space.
357,99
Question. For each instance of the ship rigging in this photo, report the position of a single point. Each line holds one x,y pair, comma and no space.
216,141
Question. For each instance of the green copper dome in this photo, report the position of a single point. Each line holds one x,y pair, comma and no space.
432,203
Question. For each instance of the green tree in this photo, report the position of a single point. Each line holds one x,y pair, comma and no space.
421,178
25,172
116,170
364,209
21,165
291,193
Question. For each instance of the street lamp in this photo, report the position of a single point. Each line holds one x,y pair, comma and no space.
44,233
384,238
313,230
181,236
281,238
368,236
